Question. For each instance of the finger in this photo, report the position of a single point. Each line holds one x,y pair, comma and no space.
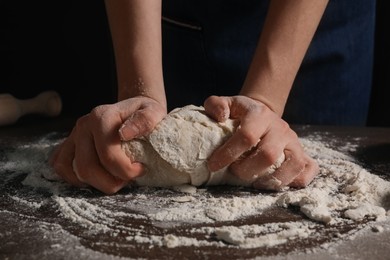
106,141
141,121
113,159
217,108
287,172
299,168
62,162
264,158
89,170
308,174
293,166
246,136
254,167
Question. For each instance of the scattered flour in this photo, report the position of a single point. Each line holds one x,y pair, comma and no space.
240,236
343,193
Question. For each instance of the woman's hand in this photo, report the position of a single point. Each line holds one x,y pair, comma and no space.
92,154
259,141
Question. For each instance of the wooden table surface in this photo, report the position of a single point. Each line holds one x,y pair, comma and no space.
44,234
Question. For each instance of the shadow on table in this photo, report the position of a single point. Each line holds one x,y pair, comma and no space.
375,157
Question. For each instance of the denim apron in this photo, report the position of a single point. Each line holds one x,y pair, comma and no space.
208,47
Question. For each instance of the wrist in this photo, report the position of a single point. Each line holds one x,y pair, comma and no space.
274,105
138,88
269,84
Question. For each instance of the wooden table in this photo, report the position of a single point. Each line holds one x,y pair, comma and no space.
39,231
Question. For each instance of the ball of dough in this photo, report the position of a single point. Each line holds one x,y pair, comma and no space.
176,151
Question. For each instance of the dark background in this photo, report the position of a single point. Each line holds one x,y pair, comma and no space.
66,46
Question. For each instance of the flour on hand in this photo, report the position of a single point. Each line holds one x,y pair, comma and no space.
176,151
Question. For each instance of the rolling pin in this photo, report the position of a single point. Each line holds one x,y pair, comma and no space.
47,103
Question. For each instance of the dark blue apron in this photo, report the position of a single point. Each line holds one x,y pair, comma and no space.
208,46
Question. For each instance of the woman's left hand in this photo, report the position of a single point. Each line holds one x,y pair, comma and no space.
257,144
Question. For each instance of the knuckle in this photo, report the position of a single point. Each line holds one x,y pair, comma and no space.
102,113
271,156
106,158
248,137
285,127
80,123
99,110
294,136
211,101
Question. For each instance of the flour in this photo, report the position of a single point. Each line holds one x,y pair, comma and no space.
343,194
240,235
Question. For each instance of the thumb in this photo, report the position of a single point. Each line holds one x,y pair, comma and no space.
217,108
131,128
141,122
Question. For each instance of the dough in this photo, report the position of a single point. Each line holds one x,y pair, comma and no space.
176,151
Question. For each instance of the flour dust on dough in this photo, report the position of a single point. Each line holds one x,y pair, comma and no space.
176,151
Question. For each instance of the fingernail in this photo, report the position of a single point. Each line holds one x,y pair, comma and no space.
268,183
128,131
139,168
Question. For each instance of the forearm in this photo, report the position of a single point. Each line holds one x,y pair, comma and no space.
288,30
136,33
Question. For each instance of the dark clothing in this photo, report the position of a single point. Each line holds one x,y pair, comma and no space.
208,46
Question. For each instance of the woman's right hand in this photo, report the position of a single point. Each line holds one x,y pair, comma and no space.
92,154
